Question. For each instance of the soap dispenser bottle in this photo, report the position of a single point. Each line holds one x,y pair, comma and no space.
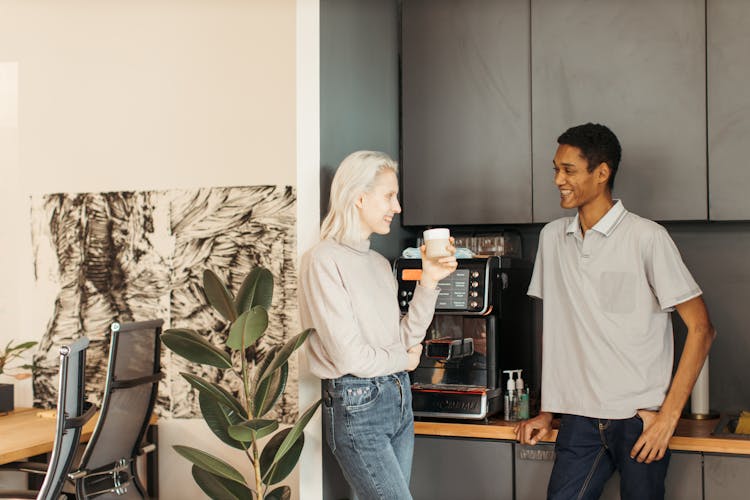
509,397
523,398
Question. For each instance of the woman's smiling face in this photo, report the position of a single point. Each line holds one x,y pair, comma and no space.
378,206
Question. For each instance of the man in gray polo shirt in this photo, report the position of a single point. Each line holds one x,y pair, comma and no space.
609,280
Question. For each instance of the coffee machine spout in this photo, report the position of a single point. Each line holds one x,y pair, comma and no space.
447,349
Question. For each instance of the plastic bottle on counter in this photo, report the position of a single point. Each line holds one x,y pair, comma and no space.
509,399
516,406
523,397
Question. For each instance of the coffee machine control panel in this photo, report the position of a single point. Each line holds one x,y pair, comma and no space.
466,291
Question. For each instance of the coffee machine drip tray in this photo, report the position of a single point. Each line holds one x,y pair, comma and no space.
472,402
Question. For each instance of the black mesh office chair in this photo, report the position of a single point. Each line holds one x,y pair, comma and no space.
108,466
72,414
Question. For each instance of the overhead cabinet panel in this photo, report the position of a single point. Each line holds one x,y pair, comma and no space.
639,68
466,150
728,108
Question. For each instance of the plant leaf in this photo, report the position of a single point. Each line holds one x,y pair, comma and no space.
218,418
284,353
248,328
256,290
215,391
23,346
280,493
210,463
218,295
272,471
269,390
250,430
220,488
296,432
193,347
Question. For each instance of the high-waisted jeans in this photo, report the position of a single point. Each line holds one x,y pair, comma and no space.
588,450
369,426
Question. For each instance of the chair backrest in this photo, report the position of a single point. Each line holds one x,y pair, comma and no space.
129,395
71,415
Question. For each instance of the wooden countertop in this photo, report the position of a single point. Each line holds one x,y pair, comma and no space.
691,435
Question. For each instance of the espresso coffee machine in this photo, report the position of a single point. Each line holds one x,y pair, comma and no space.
482,325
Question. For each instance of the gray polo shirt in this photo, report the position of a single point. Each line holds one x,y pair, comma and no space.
608,340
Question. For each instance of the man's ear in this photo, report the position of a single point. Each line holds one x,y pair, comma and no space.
603,173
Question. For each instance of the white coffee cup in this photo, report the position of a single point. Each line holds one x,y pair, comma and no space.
436,240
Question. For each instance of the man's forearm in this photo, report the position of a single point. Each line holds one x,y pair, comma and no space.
697,345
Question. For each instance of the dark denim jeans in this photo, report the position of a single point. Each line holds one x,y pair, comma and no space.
589,450
369,426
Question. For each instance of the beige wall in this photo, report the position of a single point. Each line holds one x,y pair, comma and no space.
107,95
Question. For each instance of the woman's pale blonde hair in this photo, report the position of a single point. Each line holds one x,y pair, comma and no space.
355,175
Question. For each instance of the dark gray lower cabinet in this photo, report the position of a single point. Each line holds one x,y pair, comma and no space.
726,477
449,469
684,479
453,468
534,466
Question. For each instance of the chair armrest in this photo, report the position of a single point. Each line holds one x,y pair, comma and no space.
31,467
81,421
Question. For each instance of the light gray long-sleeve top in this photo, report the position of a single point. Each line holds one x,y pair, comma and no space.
348,294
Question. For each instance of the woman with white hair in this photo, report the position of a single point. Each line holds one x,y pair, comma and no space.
361,348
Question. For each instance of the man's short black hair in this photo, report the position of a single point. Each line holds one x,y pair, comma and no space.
598,144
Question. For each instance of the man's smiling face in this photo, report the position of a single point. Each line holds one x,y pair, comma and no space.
577,185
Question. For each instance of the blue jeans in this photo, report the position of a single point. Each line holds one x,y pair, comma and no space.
369,426
588,450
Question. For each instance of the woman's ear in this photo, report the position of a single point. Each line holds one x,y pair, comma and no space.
360,201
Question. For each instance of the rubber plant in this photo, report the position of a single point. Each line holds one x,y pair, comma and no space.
242,422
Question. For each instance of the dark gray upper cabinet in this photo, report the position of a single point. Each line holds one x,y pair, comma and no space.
638,67
466,112
728,108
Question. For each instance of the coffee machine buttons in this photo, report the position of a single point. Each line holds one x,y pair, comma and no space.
474,284
474,293
473,304
403,303
403,293
475,274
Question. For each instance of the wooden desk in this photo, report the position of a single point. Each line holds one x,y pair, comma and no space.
24,434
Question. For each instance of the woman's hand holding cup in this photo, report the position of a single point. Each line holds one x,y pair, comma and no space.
438,256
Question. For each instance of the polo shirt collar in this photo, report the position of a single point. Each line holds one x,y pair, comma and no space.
606,224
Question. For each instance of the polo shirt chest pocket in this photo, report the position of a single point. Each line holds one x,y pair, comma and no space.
617,290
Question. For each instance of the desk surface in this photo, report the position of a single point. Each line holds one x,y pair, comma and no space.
691,435
24,434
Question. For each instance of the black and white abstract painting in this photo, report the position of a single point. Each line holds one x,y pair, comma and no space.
139,255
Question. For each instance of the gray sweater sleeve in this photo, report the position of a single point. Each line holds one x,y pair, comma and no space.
414,324
330,308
